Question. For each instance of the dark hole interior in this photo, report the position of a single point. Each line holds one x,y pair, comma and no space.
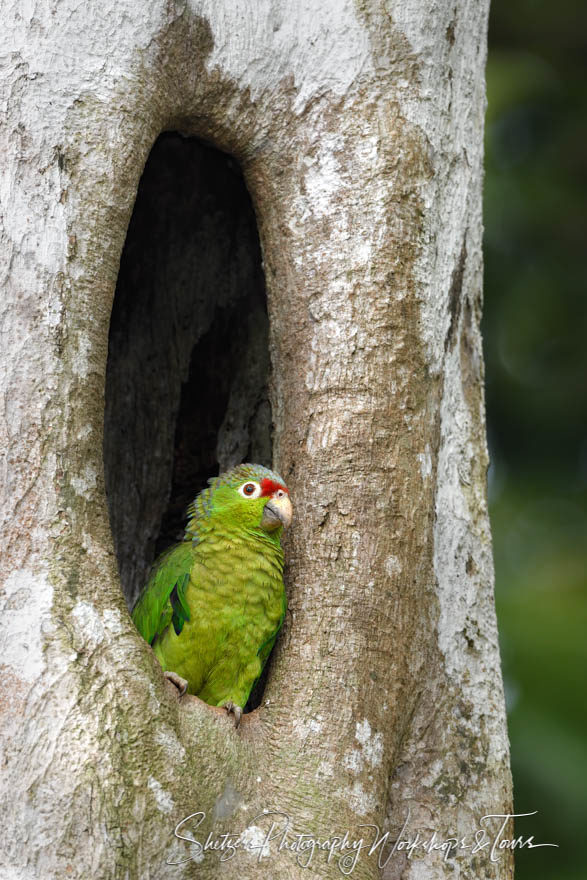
188,356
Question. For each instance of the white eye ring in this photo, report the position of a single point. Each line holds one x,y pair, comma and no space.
279,494
256,491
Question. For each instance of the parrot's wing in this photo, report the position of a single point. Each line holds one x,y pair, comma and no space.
163,600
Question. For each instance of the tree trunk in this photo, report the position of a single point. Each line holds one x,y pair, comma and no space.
358,128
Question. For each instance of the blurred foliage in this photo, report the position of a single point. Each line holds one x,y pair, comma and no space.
535,332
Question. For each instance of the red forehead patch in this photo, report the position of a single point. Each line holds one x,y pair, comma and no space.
268,487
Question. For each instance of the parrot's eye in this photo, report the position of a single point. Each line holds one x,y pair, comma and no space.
279,494
250,490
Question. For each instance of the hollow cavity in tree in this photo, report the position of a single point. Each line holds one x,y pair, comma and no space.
188,358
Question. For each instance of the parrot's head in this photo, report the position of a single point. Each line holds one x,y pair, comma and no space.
248,496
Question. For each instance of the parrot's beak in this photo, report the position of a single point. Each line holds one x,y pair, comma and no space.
277,512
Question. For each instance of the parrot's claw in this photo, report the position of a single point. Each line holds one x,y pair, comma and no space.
180,683
236,711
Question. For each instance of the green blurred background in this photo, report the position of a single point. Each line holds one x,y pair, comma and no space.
535,337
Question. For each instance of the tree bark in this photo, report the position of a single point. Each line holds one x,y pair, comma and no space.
358,128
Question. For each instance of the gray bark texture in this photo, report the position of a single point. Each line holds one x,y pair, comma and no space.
358,128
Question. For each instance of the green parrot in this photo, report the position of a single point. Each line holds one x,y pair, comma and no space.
214,603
